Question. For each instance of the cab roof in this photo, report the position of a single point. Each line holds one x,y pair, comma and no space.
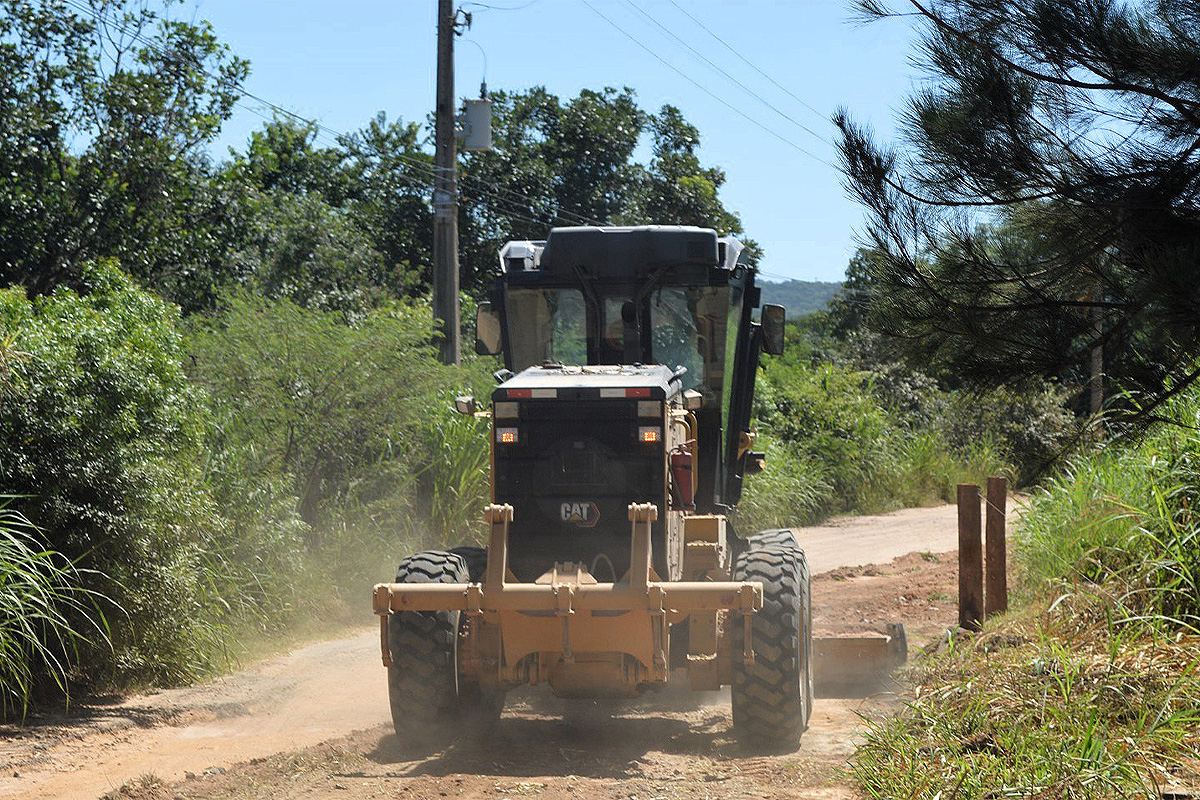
542,382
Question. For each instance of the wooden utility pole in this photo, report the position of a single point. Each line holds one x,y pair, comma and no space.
970,558
445,192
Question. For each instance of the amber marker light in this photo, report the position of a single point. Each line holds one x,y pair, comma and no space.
506,435
648,435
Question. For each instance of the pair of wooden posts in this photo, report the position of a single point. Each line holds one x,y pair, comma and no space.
971,603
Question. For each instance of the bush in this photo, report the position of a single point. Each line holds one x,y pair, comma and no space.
335,449
831,421
102,436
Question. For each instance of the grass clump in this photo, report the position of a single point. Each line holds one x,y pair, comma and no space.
39,598
1091,686
1041,706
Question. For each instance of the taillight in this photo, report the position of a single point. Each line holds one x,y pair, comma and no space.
506,435
649,434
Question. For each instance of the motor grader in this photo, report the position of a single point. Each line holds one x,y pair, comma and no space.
620,434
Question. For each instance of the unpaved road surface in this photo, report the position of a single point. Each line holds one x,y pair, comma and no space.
314,723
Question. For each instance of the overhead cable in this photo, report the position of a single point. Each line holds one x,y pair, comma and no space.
705,89
733,79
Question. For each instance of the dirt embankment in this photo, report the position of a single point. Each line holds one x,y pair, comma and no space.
314,723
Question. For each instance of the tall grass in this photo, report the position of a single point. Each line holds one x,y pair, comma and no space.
455,476
1091,686
1037,707
1123,521
792,490
43,613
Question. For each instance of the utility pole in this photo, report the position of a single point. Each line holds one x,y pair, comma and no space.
445,192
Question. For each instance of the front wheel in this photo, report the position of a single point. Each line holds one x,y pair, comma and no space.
423,679
772,698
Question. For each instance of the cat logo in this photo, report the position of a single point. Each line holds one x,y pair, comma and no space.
584,515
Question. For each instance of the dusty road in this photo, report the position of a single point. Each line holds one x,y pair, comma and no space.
314,723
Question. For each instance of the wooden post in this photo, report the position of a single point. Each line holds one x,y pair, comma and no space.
970,558
996,598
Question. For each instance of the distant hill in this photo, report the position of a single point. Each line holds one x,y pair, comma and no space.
799,297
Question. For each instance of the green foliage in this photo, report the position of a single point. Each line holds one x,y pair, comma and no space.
1122,520
1036,707
102,143
39,597
1090,687
1012,232
830,416
102,436
557,162
872,439
790,491
302,394
456,476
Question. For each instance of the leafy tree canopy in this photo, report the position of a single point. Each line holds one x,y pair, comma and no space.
572,163
1047,199
104,121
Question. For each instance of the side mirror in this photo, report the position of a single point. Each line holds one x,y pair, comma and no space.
772,329
487,331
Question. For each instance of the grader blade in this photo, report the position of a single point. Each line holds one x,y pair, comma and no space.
859,665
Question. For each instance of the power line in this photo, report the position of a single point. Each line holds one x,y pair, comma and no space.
705,89
746,61
492,190
721,70
500,8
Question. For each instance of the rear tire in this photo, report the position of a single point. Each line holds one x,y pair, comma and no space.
772,698
423,677
777,537
475,558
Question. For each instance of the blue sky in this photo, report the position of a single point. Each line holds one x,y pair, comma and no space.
342,62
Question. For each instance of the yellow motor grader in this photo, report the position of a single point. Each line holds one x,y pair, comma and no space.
620,436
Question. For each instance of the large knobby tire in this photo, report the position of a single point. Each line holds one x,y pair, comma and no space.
776,537
423,680
772,698
475,558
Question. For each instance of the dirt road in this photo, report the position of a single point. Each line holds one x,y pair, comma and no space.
314,723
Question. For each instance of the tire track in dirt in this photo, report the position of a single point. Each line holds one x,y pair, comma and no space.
315,722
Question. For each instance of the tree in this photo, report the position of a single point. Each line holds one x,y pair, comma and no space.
103,124
1048,202
572,163
676,189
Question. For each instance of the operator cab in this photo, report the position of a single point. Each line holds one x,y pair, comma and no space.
667,295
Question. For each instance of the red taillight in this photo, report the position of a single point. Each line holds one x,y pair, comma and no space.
649,435
506,435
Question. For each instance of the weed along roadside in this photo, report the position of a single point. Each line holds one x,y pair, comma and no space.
1090,685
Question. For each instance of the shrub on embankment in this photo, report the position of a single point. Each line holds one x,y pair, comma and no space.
102,439
840,439
1091,686
292,467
